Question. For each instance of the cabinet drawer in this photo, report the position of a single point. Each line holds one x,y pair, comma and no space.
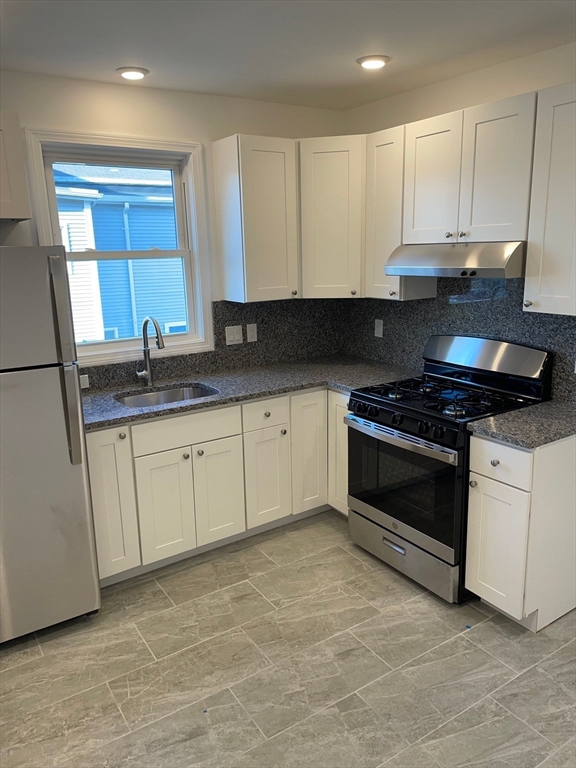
265,413
186,430
501,462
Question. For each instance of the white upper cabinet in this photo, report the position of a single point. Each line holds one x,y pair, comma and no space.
551,262
14,203
468,174
497,143
331,184
256,217
432,181
384,190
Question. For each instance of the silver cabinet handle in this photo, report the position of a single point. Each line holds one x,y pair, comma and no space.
392,293
200,452
353,293
122,435
393,545
294,293
527,303
495,462
448,234
461,234
283,431
267,414
185,455
473,483
63,310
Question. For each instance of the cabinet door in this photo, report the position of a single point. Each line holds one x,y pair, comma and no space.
497,143
498,517
551,262
219,489
432,179
267,474
165,504
338,452
113,500
269,217
331,179
309,451
384,196
14,203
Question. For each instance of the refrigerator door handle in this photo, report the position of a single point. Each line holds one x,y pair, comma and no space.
64,328
73,412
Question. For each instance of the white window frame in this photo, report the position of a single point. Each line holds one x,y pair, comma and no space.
191,219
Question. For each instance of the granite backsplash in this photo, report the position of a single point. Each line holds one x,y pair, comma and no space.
475,308
287,331
307,328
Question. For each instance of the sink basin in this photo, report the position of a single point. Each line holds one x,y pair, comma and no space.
163,396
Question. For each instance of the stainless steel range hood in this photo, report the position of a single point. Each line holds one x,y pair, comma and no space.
459,260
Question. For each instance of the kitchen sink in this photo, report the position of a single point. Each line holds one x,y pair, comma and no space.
163,396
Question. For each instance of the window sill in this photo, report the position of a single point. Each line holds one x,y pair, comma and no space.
127,354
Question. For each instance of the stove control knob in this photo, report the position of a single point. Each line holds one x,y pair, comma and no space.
423,427
373,410
396,419
359,407
437,432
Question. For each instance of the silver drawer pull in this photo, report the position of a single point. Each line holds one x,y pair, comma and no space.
495,462
122,435
185,455
473,483
283,431
267,414
392,545
200,452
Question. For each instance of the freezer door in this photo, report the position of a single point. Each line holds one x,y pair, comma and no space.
35,315
48,569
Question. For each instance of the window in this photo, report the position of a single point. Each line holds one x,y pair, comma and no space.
125,218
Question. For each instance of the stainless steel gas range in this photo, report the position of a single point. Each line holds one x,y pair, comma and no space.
408,452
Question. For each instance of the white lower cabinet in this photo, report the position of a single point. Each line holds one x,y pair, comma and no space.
219,489
520,554
308,413
113,500
338,451
498,517
165,504
267,471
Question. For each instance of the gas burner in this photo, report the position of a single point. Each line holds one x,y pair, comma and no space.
457,410
396,394
427,388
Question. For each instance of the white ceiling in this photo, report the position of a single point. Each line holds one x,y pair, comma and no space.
289,51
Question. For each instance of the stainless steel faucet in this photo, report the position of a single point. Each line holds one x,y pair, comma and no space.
147,372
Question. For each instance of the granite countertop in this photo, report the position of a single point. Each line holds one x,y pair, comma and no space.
530,427
101,409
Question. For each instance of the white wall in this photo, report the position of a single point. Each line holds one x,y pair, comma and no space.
57,103
531,73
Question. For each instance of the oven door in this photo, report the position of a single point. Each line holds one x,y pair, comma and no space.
408,485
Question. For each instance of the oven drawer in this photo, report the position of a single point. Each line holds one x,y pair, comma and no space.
434,574
266,413
504,463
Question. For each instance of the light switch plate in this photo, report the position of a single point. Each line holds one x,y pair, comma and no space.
251,332
234,334
84,381
379,328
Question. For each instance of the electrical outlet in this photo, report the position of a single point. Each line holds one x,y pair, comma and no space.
379,328
84,381
234,334
251,332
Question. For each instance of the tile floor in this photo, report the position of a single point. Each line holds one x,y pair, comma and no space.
296,649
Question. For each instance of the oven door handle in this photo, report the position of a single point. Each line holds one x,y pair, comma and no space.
439,453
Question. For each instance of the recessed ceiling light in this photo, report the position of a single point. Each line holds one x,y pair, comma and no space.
373,62
133,73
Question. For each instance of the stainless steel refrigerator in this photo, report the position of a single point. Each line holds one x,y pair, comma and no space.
48,570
